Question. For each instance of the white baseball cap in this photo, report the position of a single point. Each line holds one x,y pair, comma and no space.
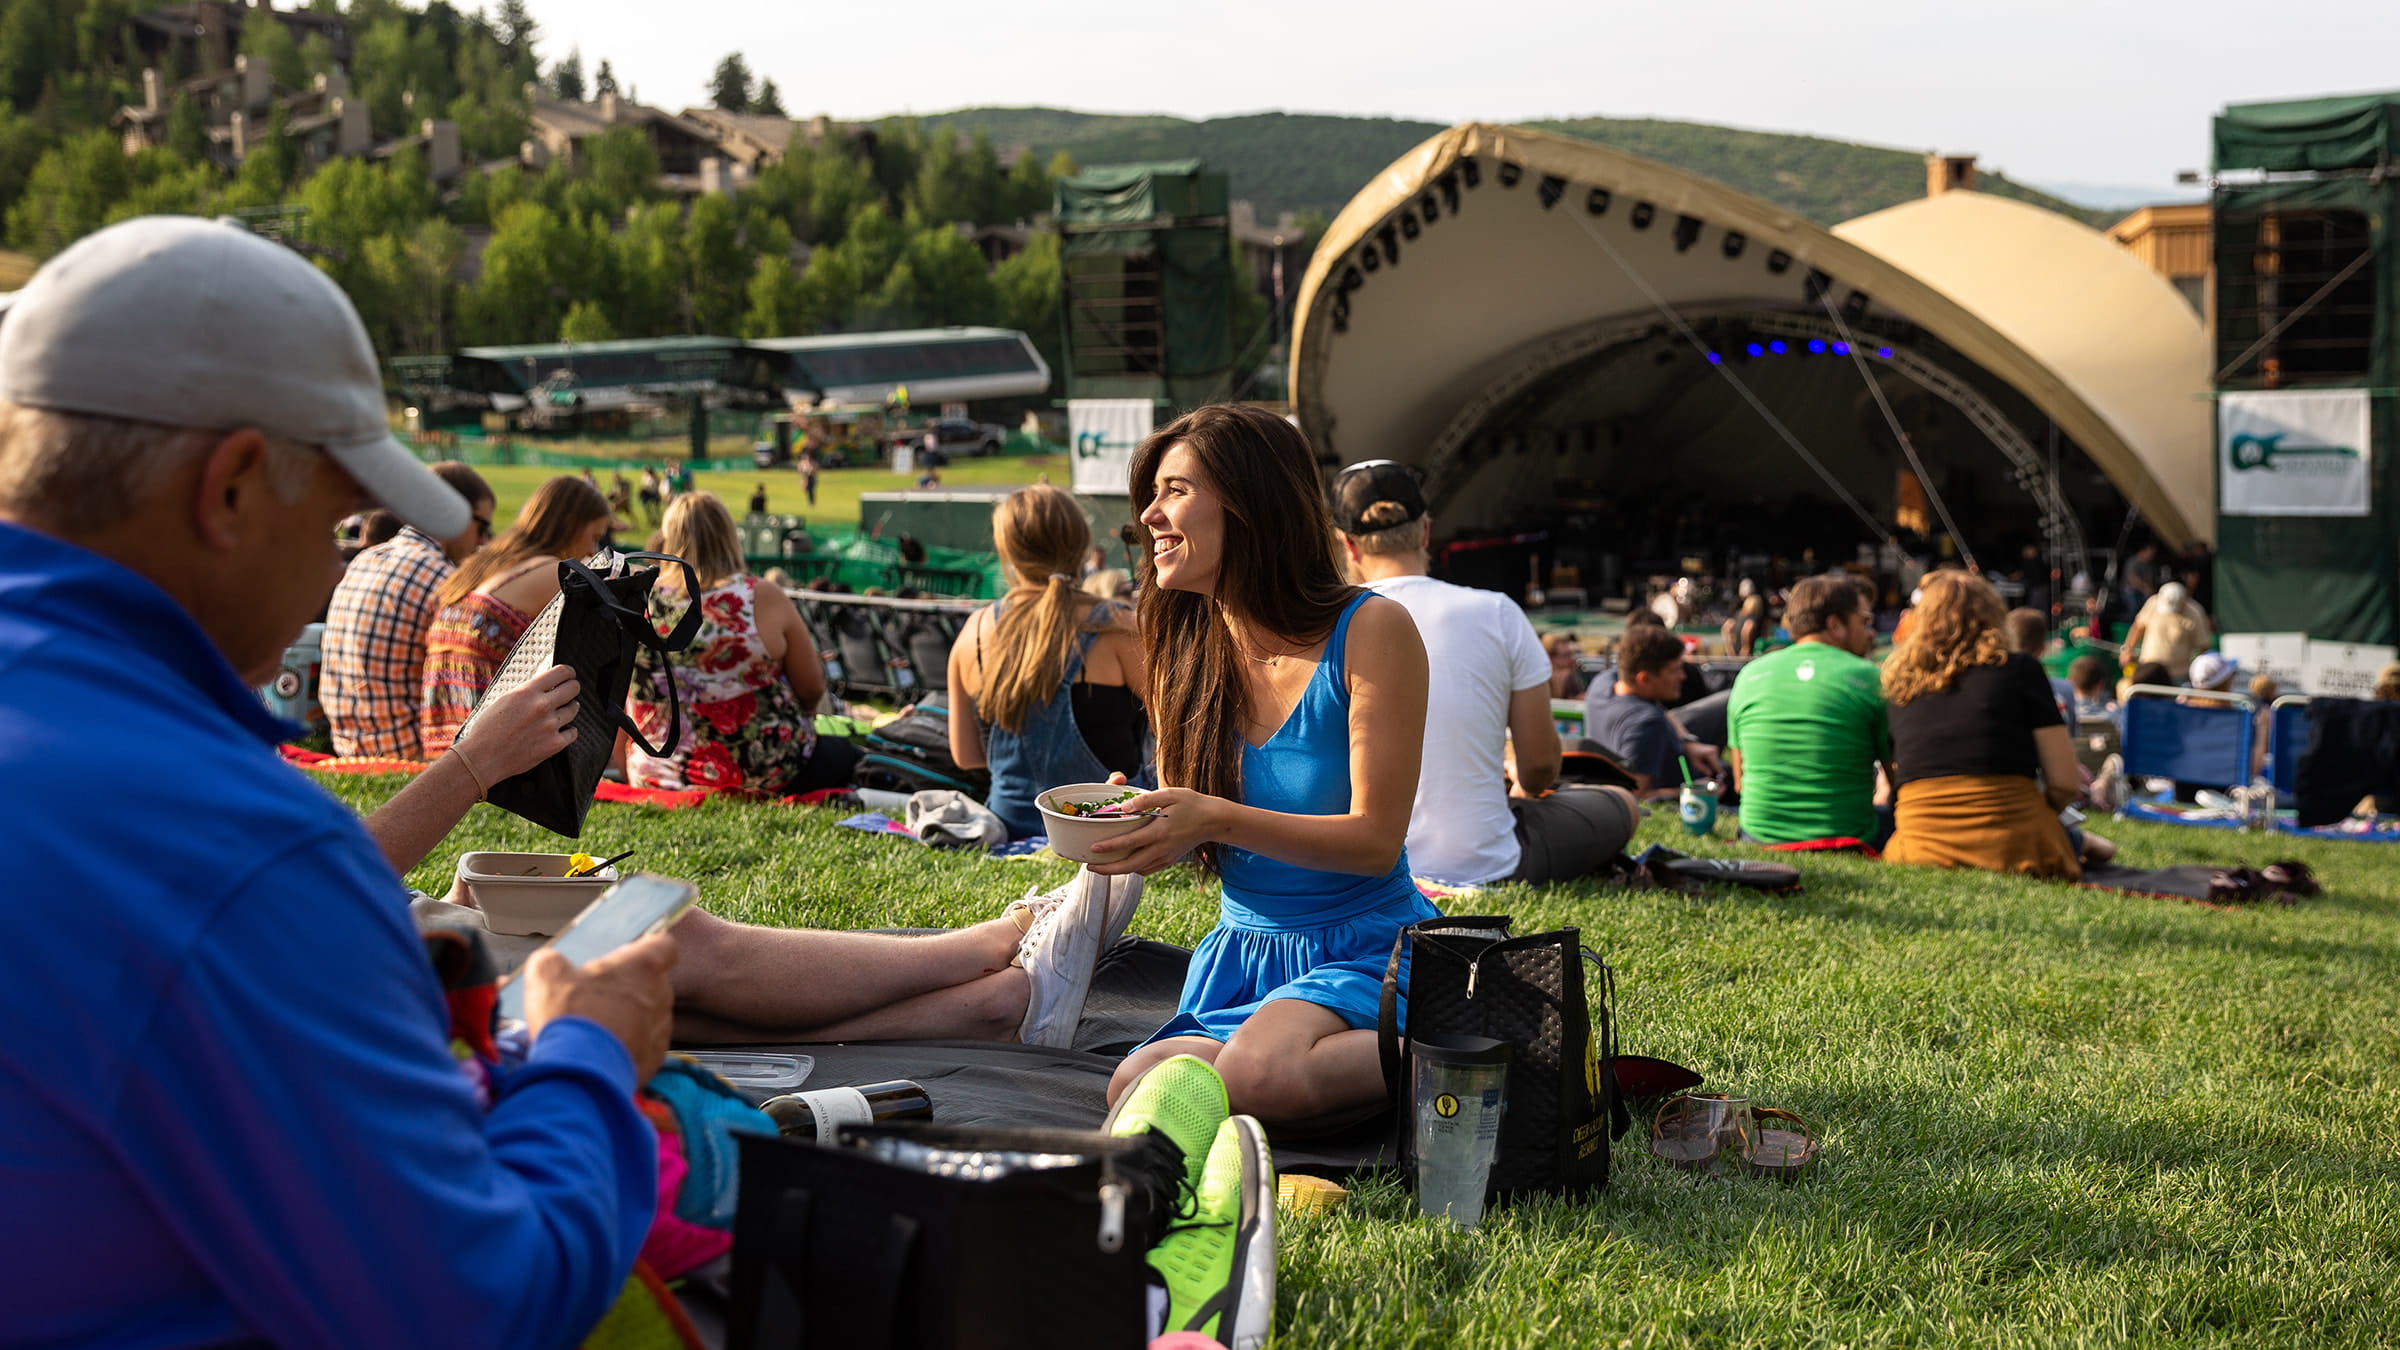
2213,670
195,323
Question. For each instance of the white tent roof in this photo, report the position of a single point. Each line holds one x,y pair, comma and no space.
1445,288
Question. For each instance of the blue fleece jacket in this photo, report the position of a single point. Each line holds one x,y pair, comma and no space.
228,1114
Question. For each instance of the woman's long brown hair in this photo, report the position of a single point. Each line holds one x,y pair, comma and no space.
547,526
1955,628
1041,536
1278,577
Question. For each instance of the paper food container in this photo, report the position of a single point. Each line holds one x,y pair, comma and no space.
529,894
1072,837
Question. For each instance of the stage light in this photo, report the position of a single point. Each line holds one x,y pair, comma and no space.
1716,358
1370,259
1841,349
1735,242
1643,214
1409,228
1510,173
1779,262
1884,352
1553,188
1687,232
1472,171
1391,244
1431,206
1596,202
1755,350
1819,282
1777,347
1816,346
1855,307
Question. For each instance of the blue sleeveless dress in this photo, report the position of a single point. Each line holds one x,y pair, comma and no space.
1296,932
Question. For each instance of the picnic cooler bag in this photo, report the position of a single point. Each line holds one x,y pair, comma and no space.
594,625
911,753
1468,978
835,1248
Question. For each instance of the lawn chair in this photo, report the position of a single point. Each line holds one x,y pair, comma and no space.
2198,744
2287,736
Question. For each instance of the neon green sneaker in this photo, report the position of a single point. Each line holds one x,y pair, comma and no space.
1219,1266
1182,1101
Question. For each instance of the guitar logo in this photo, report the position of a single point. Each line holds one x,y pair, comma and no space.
2247,452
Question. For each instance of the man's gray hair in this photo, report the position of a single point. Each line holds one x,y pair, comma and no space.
80,473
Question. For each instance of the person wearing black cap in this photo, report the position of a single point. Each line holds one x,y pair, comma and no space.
1490,688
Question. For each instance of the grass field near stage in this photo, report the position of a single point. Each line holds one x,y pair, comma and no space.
2052,1116
838,490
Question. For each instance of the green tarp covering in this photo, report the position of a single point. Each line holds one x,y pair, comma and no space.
1121,194
2320,135
1147,260
2332,577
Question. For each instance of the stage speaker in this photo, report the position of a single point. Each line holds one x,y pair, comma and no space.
1596,202
1553,188
1779,262
1643,214
1510,172
1735,242
1687,232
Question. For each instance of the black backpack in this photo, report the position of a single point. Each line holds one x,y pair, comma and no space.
911,753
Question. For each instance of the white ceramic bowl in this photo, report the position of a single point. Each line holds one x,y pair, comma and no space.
529,894
1072,837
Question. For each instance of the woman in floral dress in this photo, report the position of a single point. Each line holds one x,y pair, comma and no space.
749,682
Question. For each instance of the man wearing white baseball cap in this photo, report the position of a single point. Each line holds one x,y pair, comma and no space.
230,1110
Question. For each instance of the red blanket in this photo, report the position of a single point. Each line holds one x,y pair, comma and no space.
667,799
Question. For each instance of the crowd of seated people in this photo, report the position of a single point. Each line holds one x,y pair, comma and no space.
1632,725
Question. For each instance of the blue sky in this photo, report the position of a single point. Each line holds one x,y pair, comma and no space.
2048,91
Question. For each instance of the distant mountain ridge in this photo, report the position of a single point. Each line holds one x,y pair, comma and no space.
1316,162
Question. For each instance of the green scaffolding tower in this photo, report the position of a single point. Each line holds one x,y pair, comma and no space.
1146,271
2307,198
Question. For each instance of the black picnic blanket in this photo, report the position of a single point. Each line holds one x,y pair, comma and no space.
1134,992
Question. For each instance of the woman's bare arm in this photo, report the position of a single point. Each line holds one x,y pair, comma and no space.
2062,777
802,667
966,729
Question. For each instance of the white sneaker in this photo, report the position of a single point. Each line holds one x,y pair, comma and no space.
1059,954
1124,896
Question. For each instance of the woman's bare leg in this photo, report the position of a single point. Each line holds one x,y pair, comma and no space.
1139,1062
1301,1068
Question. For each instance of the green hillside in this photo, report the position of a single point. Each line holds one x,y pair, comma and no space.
1308,162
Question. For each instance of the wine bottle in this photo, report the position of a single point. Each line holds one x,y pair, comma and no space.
815,1116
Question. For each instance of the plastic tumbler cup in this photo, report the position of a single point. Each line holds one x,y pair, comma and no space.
1698,807
1460,1091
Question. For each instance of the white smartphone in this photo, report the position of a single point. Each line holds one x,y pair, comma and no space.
634,908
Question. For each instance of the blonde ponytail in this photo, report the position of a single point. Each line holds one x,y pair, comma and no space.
1041,535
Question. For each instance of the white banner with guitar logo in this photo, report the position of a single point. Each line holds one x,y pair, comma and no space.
2294,452
1104,433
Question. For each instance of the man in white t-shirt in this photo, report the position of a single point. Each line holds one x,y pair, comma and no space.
1490,687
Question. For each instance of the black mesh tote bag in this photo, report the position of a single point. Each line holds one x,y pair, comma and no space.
945,1238
1467,977
595,625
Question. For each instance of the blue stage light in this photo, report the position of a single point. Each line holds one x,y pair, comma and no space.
1816,347
1884,352
1755,350
1777,347
1716,358
1841,349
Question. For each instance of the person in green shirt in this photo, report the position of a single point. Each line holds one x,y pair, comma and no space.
1806,726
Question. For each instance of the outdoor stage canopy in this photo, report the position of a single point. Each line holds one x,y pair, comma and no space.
1499,294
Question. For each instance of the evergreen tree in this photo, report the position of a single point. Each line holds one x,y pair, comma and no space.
729,87
566,78
517,32
606,81
778,300
264,38
187,129
769,100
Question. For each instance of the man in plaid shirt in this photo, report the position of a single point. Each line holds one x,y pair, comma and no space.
374,659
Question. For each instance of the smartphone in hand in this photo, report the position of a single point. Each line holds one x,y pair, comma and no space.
632,909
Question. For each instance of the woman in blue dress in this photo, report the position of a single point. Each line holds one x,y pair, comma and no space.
1290,713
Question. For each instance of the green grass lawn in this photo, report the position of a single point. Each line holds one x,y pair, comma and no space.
2052,1116
838,490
